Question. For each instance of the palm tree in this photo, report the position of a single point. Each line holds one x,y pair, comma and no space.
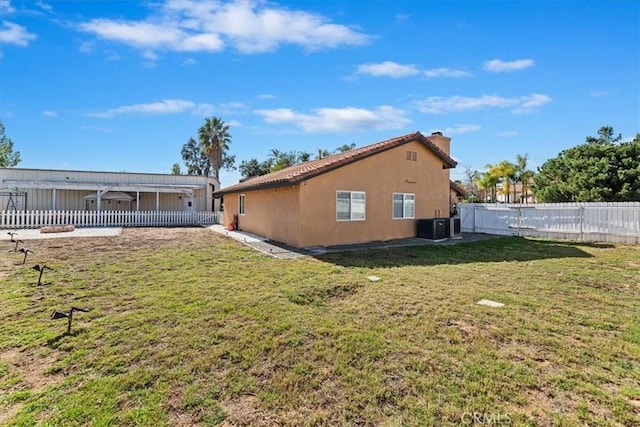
523,175
506,171
488,182
214,141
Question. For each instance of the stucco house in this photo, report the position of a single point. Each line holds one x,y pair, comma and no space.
372,193
47,189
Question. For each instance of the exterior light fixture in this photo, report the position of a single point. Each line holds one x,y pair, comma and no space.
41,269
25,251
15,248
57,314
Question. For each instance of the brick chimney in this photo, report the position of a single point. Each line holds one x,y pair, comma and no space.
440,141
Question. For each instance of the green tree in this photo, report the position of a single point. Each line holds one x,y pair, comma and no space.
592,172
8,157
606,136
488,181
214,139
195,160
522,175
250,168
345,147
175,169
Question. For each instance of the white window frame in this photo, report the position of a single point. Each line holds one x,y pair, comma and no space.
356,206
242,204
407,199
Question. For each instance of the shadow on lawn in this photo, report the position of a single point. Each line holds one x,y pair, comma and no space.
503,249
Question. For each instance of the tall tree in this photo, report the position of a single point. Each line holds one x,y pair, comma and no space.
470,183
488,181
214,141
175,169
592,172
345,147
507,170
8,157
606,136
523,175
195,160
250,168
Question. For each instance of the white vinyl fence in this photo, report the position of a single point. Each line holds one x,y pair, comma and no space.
589,222
36,219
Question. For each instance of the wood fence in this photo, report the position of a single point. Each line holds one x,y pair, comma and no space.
36,219
588,222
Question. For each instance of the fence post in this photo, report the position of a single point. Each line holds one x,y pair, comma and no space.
581,221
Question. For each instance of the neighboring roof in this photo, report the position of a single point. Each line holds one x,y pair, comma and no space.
300,172
458,189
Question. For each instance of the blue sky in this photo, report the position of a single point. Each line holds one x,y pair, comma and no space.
121,85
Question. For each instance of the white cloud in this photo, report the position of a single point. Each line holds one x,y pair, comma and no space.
44,6
150,55
189,62
11,33
173,106
49,113
5,7
266,96
225,108
349,119
248,26
388,69
599,93
508,134
521,104
499,66
402,17
167,106
445,72
144,35
458,129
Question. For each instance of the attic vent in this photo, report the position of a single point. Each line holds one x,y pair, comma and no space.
412,155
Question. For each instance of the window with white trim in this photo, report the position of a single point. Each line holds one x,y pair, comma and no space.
241,205
404,205
350,205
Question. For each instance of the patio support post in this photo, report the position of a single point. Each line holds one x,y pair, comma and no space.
54,200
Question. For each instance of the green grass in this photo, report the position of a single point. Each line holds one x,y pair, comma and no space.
188,328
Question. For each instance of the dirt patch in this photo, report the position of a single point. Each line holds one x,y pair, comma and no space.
633,264
245,410
31,370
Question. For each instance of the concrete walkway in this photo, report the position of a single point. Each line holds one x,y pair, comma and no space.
34,233
279,250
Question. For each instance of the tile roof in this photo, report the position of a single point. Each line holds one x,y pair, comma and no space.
300,172
458,188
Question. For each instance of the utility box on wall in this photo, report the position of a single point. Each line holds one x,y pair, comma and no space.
433,228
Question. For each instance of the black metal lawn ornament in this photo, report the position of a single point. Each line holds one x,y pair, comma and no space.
41,269
25,251
57,314
12,234
18,241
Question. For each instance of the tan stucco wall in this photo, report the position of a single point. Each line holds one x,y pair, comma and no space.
379,176
273,213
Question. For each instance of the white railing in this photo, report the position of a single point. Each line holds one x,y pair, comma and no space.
37,219
593,222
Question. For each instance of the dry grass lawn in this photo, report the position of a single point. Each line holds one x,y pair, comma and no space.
189,328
